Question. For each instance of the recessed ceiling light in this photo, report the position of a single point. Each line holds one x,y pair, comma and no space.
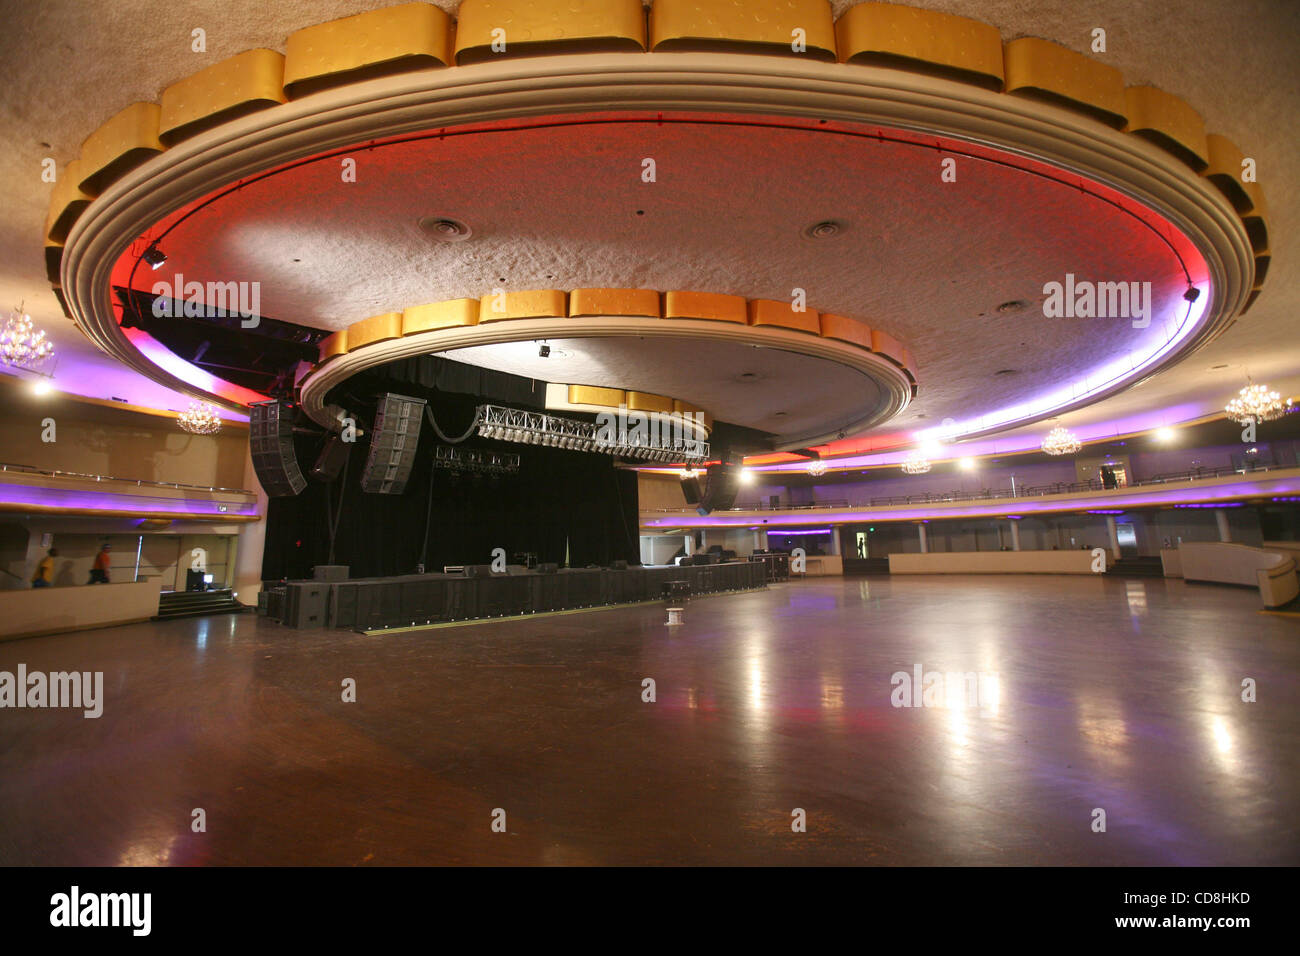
41,387
1014,305
1007,371
823,230
747,378
445,230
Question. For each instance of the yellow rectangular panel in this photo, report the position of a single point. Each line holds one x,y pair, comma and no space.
440,315
67,202
770,312
546,26
595,395
121,144
763,26
887,34
646,402
1261,270
613,302
533,304
1224,169
705,305
685,408
412,36
1168,122
1055,74
377,328
884,344
909,364
235,87
334,345
846,330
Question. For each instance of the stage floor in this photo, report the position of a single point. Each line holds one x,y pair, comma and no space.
1113,694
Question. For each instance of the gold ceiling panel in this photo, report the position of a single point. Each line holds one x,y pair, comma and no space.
1256,221
782,315
583,302
596,395
738,26
411,36
1225,170
547,26
1261,269
533,304
846,330
1055,74
243,84
686,408
1168,122
440,315
121,144
332,346
377,328
67,202
882,343
647,402
705,305
53,260
888,34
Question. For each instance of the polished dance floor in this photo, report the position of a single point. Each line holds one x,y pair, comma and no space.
1100,694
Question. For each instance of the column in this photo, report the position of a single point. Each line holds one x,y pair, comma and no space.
836,547
690,544
925,544
1221,516
1015,534
252,542
1113,532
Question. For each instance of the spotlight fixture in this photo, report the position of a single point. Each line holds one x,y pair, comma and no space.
1061,441
966,464
916,464
199,419
41,386
746,476
1165,435
544,351
1192,293
154,256
1255,403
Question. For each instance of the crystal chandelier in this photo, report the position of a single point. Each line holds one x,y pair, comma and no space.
21,344
199,419
1061,441
916,464
1257,403
817,468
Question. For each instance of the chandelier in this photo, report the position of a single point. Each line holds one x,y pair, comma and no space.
916,464
817,468
1255,403
21,344
1061,441
199,419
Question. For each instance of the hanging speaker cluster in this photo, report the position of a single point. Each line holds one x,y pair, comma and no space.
393,442
720,489
270,435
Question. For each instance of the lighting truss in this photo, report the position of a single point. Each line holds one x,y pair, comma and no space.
552,431
475,462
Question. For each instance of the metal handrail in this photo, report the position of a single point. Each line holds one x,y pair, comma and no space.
987,494
139,482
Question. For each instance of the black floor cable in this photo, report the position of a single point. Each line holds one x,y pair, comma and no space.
332,520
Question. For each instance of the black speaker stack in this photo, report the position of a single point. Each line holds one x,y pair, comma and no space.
721,488
270,434
393,442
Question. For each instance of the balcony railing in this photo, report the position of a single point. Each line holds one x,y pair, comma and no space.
138,482
990,494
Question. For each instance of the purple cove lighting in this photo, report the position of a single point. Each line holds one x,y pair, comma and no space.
1194,492
787,533
1105,511
108,503
1226,504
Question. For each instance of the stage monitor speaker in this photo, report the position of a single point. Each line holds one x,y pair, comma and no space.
691,490
270,435
392,445
333,455
330,572
720,490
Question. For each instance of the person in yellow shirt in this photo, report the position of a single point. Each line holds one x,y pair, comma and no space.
45,570
99,572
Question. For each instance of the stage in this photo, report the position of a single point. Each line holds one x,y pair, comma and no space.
367,604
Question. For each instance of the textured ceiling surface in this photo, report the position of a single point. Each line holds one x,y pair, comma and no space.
73,66
762,388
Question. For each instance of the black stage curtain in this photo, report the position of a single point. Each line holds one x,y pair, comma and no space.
557,496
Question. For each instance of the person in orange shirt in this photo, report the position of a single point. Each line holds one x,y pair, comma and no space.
45,570
99,572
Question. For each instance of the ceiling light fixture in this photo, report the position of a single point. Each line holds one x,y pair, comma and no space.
1165,435
1255,403
445,230
916,464
154,256
199,419
817,468
966,464
1061,441
21,343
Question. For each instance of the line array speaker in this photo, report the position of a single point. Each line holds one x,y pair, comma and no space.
392,445
330,461
691,490
720,491
270,436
